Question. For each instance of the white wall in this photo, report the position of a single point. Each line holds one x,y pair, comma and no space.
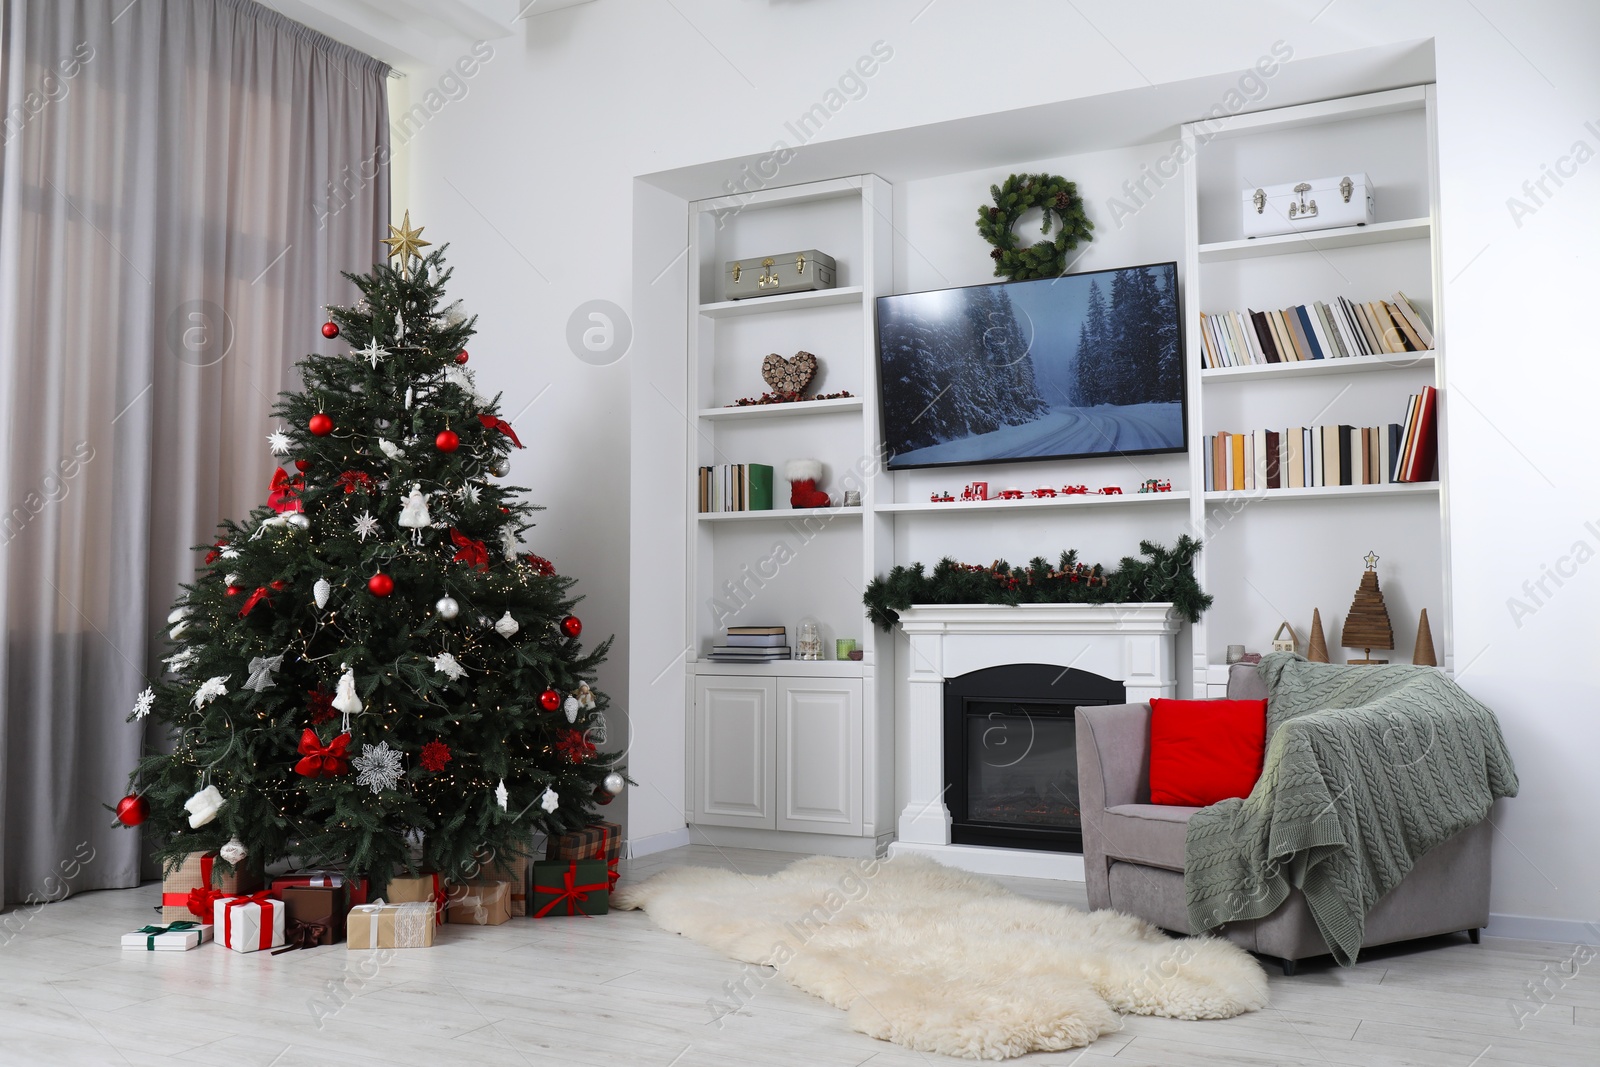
530,177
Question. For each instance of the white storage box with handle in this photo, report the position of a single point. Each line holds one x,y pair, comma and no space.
1317,204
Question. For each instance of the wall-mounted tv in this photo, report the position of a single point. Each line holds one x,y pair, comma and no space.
1058,368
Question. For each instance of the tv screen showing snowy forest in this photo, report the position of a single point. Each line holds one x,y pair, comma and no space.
1080,365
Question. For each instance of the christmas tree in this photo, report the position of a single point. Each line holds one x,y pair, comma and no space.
1367,626
369,671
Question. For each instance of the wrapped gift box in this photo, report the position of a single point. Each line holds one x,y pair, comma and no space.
418,889
179,936
602,841
570,887
314,914
249,923
358,889
479,903
381,925
190,891
509,868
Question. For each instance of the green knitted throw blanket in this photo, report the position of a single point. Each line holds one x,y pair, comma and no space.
1366,769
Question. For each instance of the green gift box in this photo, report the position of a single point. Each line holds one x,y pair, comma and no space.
569,887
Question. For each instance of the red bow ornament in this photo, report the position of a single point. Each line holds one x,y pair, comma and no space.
468,551
541,566
285,493
322,761
262,592
574,746
215,553
356,481
495,422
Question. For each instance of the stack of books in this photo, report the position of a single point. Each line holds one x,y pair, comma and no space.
1314,331
736,487
752,644
1305,457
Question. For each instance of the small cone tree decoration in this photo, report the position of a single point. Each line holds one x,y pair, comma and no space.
1367,626
1317,650
1423,655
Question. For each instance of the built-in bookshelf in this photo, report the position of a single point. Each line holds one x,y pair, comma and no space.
1303,549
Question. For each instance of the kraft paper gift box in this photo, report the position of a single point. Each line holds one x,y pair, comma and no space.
418,889
190,891
179,936
388,925
479,903
249,923
576,887
601,841
314,915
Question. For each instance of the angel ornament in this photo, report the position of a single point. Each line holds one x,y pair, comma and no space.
414,514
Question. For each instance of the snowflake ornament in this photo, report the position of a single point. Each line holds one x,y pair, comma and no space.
366,525
229,552
144,702
211,689
379,766
278,442
373,353
446,664
550,800
468,493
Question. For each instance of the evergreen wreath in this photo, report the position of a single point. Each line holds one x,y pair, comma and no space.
1164,575
1045,259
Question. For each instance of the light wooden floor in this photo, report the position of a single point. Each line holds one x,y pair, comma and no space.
619,992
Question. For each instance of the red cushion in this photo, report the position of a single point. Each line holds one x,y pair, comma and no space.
1203,751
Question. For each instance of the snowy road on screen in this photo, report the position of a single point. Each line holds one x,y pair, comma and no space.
1064,432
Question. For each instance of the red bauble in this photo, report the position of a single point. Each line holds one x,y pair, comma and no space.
461,356
602,797
320,425
447,441
302,465
572,626
132,810
330,330
234,590
550,700
380,584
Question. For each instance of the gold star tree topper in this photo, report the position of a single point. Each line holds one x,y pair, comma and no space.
405,242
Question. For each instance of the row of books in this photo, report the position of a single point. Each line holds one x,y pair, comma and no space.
736,487
1314,331
752,644
1305,457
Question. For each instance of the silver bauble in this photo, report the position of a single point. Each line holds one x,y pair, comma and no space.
614,783
320,592
234,852
507,626
298,520
447,607
500,468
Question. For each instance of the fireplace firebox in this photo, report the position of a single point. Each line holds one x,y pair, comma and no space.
1011,754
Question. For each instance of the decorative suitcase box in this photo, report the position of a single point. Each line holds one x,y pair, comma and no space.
791,272
1318,204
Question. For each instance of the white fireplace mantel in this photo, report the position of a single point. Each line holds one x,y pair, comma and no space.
1134,644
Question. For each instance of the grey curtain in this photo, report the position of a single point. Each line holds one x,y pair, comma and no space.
181,182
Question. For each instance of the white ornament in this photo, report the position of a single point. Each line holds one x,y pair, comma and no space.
468,493
366,525
298,520
614,783
230,579
453,315
211,689
144,702
461,378
571,707
268,523
320,592
448,665
390,449
550,800
399,326
414,514
508,544
203,806
278,442
379,766
229,552
233,852
181,659
585,695
410,396
501,797
345,699
261,668
178,613
373,353
507,626
484,622
433,274
447,607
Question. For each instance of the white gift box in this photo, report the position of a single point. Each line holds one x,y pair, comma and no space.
168,940
255,923
1314,204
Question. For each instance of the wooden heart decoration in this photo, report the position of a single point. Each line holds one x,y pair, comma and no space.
789,376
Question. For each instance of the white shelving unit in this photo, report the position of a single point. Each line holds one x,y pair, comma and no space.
1303,549
793,746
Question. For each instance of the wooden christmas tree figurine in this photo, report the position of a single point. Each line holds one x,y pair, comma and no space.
1424,654
1367,626
1317,650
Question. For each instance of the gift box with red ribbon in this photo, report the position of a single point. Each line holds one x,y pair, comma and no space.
357,888
190,891
602,841
420,889
575,887
249,923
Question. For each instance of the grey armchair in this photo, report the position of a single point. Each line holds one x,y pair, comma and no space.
1133,851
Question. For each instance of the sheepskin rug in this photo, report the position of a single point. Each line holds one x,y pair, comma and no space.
940,960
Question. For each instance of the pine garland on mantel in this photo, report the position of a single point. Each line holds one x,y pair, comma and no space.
1163,575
